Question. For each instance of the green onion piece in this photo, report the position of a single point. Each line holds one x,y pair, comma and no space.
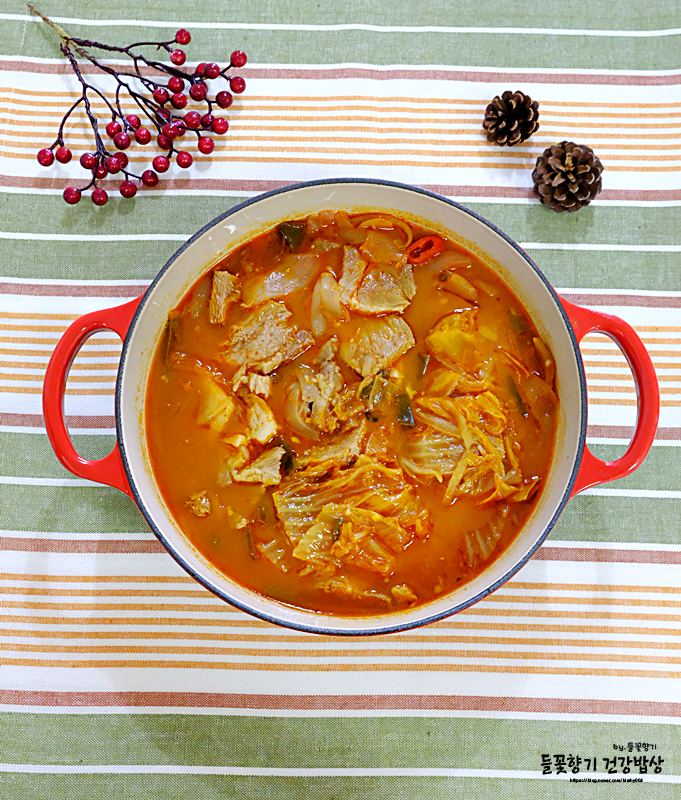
377,392
252,552
515,394
336,530
171,333
292,233
366,390
289,461
404,413
518,323
424,360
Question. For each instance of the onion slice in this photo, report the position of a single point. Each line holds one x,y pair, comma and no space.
325,303
293,413
294,272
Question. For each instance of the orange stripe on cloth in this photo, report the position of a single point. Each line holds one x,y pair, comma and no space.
341,703
284,635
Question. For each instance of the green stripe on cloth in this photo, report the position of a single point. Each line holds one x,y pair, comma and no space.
390,742
631,15
80,509
209,787
72,508
613,270
31,456
593,225
592,518
656,472
45,214
123,259
493,49
126,260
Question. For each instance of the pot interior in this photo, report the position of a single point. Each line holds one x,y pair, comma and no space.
237,226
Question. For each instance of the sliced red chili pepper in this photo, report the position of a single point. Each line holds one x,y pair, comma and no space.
423,249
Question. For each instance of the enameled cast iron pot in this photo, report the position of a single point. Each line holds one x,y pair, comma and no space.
140,323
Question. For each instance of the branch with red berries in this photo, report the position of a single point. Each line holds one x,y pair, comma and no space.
158,91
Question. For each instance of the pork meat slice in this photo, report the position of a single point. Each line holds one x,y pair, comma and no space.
225,290
264,470
385,288
253,381
377,345
265,339
354,267
375,288
339,452
261,422
318,390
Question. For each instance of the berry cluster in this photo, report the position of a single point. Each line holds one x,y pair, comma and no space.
160,112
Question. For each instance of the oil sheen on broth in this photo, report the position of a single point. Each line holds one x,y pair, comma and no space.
350,414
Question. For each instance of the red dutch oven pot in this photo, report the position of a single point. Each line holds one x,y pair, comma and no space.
561,324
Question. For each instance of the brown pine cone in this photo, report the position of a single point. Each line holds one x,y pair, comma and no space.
567,176
511,118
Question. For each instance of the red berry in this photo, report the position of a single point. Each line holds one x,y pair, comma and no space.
176,84
212,70
184,159
224,99
179,100
161,95
149,177
128,189
121,140
113,165
200,68
198,91
45,157
72,195
170,131
142,136
207,120
220,125
163,142
63,155
237,84
238,58
206,145
113,128
178,57
101,171
99,197
181,128
183,36
133,121
88,161
192,119
161,164
122,159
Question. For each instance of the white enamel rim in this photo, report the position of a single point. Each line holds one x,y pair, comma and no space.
254,216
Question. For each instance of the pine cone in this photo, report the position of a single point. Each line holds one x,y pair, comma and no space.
511,118
567,176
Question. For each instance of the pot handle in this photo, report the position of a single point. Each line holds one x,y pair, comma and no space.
108,470
592,470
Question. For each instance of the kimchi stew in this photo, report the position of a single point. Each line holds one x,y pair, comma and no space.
351,414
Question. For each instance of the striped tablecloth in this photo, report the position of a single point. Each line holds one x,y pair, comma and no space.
120,677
